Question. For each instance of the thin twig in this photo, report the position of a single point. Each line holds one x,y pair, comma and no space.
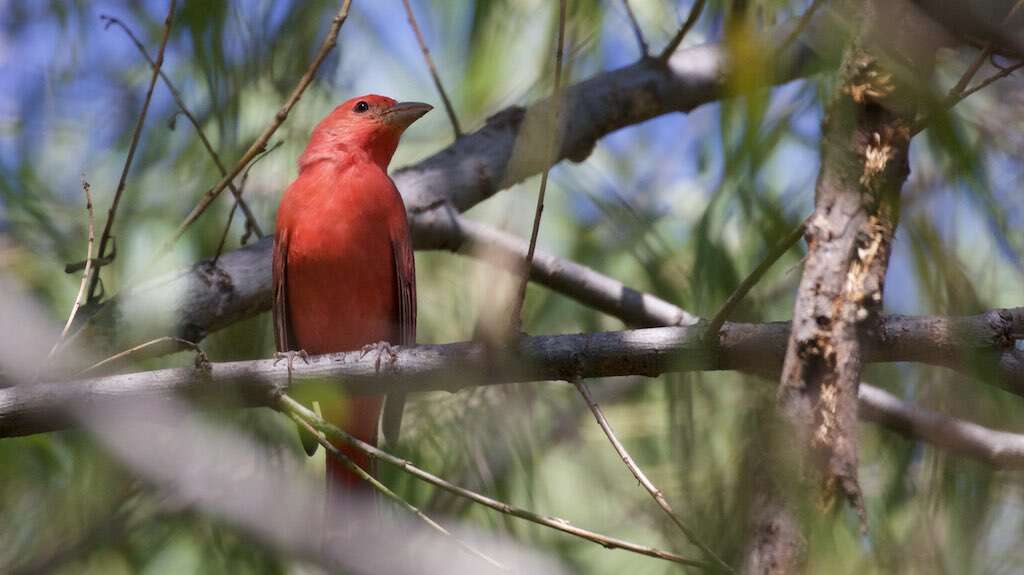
751,280
801,25
990,80
644,50
957,90
691,19
647,484
201,357
136,134
250,218
261,142
517,304
952,101
433,71
289,405
383,489
85,274
234,206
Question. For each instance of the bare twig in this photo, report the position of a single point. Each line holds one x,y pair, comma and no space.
1002,73
261,142
801,25
85,274
231,214
297,409
383,489
517,303
136,134
751,280
958,89
638,473
644,50
201,358
691,19
250,218
433,70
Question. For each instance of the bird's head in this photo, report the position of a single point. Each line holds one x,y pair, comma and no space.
370,123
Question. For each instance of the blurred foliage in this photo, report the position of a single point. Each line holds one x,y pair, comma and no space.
682,206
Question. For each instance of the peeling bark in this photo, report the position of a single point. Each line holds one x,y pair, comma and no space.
865,143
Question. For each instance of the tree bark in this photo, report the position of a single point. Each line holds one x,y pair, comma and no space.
864,162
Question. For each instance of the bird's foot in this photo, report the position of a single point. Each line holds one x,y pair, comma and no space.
202,362
382,348
290,356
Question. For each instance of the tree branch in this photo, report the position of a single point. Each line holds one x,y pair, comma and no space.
999,449
640,41
864,162
642,478
557,523
108,228
411,17
515,320
79,297
330,40
250,218
947,342
691,19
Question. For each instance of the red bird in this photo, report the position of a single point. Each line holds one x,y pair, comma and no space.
344,273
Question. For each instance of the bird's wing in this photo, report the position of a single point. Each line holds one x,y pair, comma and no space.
283,337
282,328
405,279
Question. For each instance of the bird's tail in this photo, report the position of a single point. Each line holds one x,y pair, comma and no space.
359,417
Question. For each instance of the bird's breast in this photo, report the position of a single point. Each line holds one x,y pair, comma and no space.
340,275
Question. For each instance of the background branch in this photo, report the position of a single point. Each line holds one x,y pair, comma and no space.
108,228
555,113
250,218
79,297
642,478
433,70
556,523
258,146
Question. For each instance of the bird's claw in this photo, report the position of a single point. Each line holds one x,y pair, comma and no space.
382,348
202,362
290,356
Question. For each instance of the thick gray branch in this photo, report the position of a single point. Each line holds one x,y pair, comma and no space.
999,448
35,408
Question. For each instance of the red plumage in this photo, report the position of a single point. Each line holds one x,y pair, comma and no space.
344,273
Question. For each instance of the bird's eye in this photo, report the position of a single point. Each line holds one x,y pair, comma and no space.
361,107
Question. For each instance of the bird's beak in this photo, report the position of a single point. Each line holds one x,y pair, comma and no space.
402,114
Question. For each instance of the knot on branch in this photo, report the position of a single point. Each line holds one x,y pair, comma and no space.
509,118
1003,328
214,277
